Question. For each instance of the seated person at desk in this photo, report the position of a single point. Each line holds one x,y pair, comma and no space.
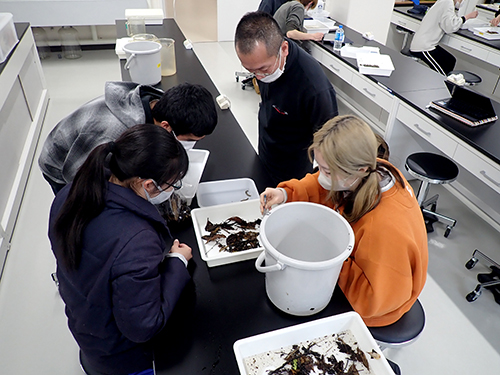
120,273
296,96
440,19
186,109
271,6
387,268
290,18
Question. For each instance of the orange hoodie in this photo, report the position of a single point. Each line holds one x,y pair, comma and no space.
387,268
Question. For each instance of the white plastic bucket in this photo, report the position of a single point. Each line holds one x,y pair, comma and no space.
144,62
305,245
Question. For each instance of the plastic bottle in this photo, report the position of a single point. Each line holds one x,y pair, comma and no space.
70,43
339,39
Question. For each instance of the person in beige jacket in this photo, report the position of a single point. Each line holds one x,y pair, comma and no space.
440,19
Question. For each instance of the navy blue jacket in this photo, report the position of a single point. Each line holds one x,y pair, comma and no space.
271,6
123,292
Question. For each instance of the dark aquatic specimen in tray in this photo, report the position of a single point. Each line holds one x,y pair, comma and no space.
238,233
302,360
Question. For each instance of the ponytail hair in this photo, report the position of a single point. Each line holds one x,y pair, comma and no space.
348,145
144,151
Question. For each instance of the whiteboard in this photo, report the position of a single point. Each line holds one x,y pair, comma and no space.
69,12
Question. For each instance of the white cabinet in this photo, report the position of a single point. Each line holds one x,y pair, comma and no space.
373,92
479,167
23,102
426,129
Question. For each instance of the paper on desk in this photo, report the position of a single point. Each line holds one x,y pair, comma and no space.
350,51
375,64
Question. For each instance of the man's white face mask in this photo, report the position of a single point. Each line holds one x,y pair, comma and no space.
276,74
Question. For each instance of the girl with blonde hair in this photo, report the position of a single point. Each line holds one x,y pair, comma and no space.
388,266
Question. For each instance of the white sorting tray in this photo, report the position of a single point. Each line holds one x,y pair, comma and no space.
315,26
274,340
490,33
213,193
197,161
248,210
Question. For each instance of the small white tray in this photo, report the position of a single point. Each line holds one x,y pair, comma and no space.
197,161
315,26
274,340
249,211
214,193
485,32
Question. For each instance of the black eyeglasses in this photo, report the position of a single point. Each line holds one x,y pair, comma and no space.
176,186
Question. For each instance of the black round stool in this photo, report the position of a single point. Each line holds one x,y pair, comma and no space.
432,169
405,331
471,79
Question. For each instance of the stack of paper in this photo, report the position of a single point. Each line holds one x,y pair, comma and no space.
375,64
351,51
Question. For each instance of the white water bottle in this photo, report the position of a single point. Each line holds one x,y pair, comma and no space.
339,39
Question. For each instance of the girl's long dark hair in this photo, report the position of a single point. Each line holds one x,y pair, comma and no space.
146,151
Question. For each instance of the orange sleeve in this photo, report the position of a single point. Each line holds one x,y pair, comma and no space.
307,189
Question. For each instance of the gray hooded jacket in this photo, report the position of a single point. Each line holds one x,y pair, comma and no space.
99,121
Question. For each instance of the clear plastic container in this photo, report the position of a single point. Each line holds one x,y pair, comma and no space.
144,38
8,35
135,25
42,42
168,66
70,42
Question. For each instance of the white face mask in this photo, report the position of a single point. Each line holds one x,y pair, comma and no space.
324,181
276,74
160,198
338,185
188,145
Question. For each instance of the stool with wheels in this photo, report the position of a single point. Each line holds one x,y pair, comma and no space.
401,333
430,169
489,281
471,79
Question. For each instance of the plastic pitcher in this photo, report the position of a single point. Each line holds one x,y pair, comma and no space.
305,245
143,62
168,66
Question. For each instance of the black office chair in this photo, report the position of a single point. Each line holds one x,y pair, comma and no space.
490,281
432,169
405,49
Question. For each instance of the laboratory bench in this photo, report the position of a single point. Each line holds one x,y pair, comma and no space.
396,107
23,103
226,303
463,40
473,53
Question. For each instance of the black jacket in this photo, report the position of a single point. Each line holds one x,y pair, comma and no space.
123,292
293,107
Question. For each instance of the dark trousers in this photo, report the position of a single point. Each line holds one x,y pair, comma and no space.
438,59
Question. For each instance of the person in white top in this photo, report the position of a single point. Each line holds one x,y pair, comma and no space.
440,19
